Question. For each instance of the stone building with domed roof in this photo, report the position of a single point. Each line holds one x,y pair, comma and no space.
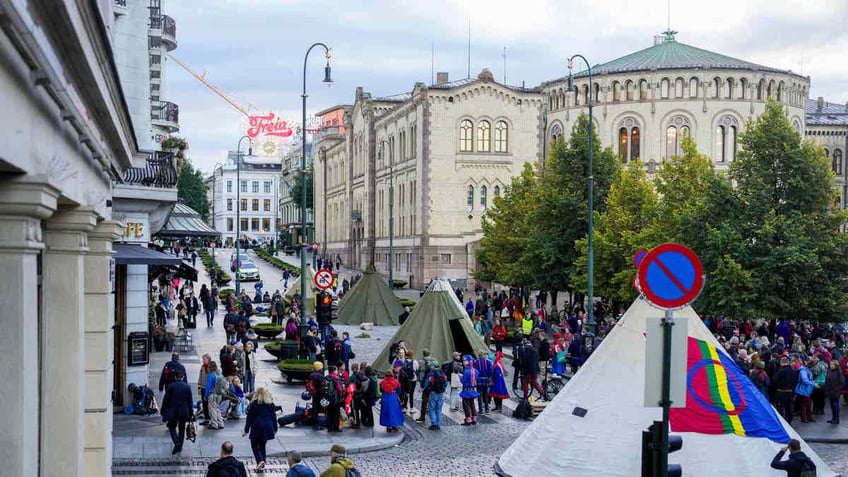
447,149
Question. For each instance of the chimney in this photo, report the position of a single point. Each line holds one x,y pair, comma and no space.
441,78
820,103
658,39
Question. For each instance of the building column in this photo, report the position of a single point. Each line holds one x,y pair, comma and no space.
22,207
99,286
63,332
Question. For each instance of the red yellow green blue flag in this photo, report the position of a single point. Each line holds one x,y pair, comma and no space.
721,399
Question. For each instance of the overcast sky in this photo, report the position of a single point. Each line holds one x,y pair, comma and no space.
253,49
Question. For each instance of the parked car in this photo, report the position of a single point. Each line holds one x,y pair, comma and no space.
248,271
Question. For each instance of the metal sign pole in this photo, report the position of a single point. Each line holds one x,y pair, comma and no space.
668,322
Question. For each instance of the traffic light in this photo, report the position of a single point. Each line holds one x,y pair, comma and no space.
324,308
651,452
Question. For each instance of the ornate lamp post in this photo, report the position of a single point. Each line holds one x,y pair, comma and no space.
591,179
303,245
238,207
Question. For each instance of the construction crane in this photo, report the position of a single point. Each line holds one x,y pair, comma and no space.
215,89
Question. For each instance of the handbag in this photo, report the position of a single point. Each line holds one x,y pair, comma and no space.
191,431
561,357
456,380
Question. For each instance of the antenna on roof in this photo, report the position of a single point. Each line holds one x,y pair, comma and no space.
504,71
669,16
433,62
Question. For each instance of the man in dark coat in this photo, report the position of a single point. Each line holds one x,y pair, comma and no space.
530,369
177,410
784,382
170,371
227,465
193,307
797,461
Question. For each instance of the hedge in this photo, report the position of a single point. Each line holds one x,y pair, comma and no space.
276,262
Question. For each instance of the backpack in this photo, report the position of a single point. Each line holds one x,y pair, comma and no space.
374,392
170,373
221,385
310,386
331,390
522,411
439,382
336,346
352,473
408,370
808,468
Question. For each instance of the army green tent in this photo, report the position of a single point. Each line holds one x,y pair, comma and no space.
310,290
439,323
370,301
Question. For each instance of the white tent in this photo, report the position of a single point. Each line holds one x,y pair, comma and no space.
607,440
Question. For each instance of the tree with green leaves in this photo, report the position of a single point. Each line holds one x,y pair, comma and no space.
790,224
624,226
561,216
506,228
191,189
295,190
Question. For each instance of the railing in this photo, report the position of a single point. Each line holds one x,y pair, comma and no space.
169,26
121,3
159,172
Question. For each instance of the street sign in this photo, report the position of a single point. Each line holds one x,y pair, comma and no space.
314,246
236,263
638,257
212,244
671,276
324,279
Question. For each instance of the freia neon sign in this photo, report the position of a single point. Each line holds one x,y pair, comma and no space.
268,125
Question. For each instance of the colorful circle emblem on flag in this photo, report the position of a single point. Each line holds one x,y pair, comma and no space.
722,396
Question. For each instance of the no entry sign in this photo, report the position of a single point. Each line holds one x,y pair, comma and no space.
671,276
324,279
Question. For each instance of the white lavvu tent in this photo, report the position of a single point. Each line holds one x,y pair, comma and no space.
607,440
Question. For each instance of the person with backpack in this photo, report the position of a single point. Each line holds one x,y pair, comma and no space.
315,389
335,349
216,383
391,415
530,370
340,465
333,391
408,381
760,378
347,350
434,384
370,394
798,464
170,370
517,352
423,371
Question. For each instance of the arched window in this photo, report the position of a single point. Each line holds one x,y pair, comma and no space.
628,86
484,136
693,88
469,200
717,88
837,162
678,88
643,89
596,93
730,127
465,136
628,140
743,86
719,144
556,133
761,88
501,137
670,142
664,87
733,137
729,88
616,91
497,191
484,196
585,94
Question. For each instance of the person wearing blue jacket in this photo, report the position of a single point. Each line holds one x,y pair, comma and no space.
261,424
469,391
804,389
214,391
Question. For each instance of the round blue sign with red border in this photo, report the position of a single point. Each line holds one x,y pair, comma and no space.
671,276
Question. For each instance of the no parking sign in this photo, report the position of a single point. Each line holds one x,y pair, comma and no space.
671,276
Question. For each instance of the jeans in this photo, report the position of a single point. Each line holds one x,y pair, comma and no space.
408,394
258,448
805,404
834,409
783,403
249,382
434,408
210,316
483,399
177,437
531,380
333,416
364,412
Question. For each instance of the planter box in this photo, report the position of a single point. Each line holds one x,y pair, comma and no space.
268,333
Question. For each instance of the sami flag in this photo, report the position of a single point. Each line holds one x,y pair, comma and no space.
720,399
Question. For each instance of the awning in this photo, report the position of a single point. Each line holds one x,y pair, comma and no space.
137,255
185,222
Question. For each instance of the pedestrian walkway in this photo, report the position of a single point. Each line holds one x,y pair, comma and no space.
142,442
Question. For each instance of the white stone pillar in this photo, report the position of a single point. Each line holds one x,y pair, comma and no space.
22,206
138,311
99,347
63,332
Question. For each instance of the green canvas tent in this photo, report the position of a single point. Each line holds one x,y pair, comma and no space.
310,290
370,301
439,323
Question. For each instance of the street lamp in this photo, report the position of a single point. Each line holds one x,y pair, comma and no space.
218,167
238,207
303,245
591,179
391,210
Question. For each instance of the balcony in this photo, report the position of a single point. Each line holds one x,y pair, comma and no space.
168,117
169,32
159,172
120,7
